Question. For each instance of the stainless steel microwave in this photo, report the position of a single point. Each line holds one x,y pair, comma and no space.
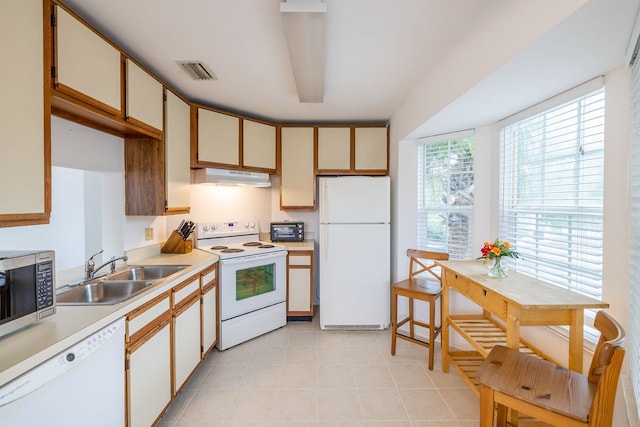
27,289
287,231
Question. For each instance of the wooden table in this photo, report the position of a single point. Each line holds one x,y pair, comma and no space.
517,300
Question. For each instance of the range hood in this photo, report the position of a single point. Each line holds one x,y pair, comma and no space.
231,177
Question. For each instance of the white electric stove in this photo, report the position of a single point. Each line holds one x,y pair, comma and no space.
252,280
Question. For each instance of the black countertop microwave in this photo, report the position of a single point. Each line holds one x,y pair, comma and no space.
287,231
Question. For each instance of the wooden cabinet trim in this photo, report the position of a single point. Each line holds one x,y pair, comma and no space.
186,303
146,333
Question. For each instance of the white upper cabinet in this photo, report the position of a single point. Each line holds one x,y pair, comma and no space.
144,96
371,149
86,64
334,149
177,146
218,138
23,141
258,146
297,179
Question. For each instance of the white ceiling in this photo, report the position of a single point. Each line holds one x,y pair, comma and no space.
377,53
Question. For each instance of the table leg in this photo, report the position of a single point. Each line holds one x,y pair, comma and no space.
486,406
444,320
513,327
576,340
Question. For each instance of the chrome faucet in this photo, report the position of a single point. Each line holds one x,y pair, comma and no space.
89,266
111,262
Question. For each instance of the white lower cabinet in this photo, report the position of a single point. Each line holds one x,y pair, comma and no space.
150,378
166,339
186,344
148,364
209,309
186,330
300,283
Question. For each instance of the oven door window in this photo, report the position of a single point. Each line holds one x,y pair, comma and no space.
254,281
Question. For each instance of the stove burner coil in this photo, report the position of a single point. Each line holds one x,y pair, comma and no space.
252,244
232,250
266,246
217,248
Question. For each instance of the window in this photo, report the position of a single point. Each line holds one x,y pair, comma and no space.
551,191
445,196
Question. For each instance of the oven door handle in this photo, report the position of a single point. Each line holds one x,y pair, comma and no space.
261,257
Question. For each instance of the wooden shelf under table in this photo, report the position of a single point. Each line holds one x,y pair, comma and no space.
482,334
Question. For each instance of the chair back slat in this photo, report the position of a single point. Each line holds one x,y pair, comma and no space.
417,266
605,369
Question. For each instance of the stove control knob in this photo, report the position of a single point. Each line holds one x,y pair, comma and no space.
246,225
214,227
253,225
205,228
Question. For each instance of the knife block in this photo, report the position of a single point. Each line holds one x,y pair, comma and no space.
175,245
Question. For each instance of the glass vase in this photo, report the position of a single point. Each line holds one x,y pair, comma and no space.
498,268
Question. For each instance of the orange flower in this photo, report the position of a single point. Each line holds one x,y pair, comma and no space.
505,244
496,250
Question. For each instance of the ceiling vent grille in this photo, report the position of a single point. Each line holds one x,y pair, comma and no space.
197,70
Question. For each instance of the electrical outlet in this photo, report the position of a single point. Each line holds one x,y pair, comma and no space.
148,233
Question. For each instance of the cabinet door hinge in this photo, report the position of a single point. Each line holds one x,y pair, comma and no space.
126,364
164,97
54,72
54,21
166,204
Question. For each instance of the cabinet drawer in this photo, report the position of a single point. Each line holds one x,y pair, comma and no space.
304,260
456,282
185,289
488,300
143,318
208,277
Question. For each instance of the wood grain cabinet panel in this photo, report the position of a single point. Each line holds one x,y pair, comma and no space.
297,179
25,131
87,66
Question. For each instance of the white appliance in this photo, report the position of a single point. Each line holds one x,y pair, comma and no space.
252,280
83,385
355,273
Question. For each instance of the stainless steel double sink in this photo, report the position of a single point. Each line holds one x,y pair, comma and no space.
116,287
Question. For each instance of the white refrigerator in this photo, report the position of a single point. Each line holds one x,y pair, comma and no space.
355,253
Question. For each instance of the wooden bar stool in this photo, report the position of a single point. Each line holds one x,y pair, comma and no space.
427,289
550,393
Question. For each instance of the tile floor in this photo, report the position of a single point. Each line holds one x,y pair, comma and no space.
301,376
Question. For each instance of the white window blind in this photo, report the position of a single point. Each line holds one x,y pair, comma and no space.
633,344
445,196
551,192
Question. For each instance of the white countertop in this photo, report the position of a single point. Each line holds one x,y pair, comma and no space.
305,245
28,347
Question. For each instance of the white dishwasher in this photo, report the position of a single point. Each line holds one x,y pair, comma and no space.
81,386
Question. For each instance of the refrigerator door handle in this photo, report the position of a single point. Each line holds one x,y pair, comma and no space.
324,248
324,202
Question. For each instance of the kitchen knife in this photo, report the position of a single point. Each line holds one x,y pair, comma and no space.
183,229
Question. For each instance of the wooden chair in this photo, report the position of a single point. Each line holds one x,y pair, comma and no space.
550,393
427,289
